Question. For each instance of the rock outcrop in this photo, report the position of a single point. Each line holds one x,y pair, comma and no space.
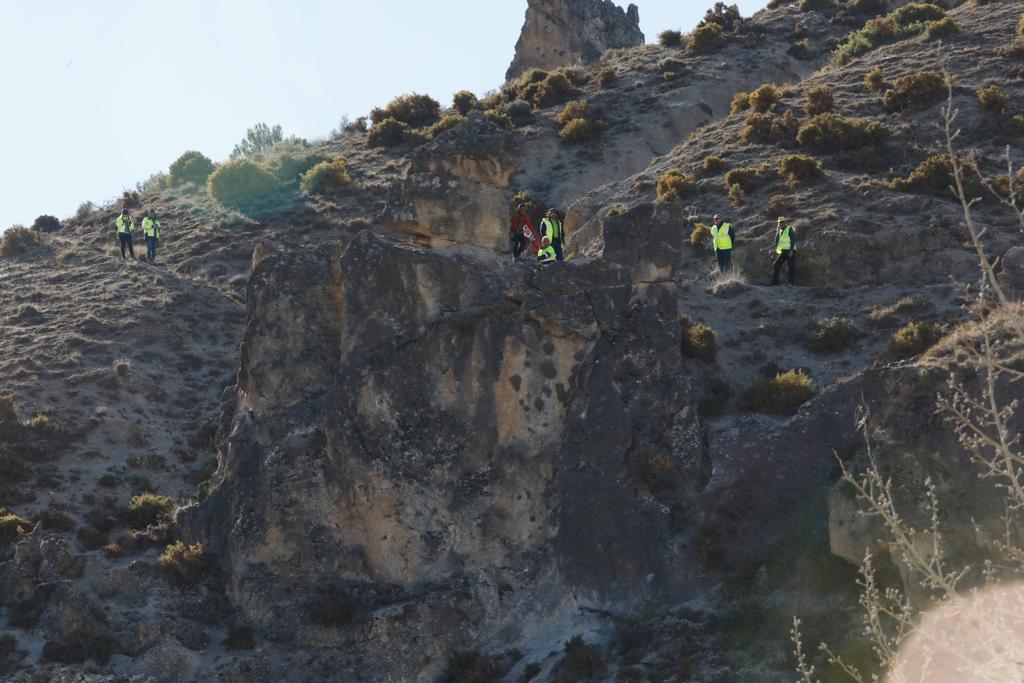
564,32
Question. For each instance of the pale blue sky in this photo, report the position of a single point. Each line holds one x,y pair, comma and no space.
101,94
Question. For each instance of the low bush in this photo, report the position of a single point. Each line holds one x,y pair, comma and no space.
833,335
943,28
714,399
519,112
327,177
334,606
868,6
413,109
994,100
911,340
80,646
472,667
92,538
782,395
818,100
698,340
12,527
244,185
705,39
765,128
798,168
289,166
874,80
464,102
391,133
901,23
816,5
184,565
1015,50
915,91
607,77
747,179
582,661
674,185
726,16
447,122
670,38
935,175
113,551
578,109
700,236
740,103
833,133
146,509
500,118
540,88
582,130
46,223
191,167
17,240
713,165
109,481
240,638
56,520
800,49
765,97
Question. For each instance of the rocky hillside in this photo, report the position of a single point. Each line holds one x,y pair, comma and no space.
379,450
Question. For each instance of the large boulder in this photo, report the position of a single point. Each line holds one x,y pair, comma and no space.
564,32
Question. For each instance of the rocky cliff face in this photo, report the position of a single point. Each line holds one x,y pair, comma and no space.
565,32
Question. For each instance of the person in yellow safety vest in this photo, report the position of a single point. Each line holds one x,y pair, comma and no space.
723,239
785,250
547,252
552,228
151,229
125,227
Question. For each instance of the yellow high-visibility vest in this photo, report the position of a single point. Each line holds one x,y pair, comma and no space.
151,227
720,235
125,227
785,240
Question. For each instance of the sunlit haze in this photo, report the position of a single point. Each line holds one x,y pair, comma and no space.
102,95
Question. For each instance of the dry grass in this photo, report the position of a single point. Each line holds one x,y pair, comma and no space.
781,395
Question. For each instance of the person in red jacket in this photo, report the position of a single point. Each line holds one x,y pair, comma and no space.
523,233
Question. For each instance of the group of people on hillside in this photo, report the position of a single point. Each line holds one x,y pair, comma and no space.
150,229
546,244
723,241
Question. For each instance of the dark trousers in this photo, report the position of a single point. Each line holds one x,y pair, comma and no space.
557,244
518,244
788,257
151,249
126,241
724,257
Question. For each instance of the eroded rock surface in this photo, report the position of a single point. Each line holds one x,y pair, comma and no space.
564,32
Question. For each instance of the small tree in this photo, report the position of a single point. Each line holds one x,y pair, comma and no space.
258,139
191,167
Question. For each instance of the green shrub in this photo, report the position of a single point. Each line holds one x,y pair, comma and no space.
800,49
582,661
782,395
765,97
915,91
868,6
670,38
901,23
935,175
747,179
290,166
519,112
500,118
726,16
447,122
464,102
736,193
472,667
818,100
92,538
540,88
994,100
874,80
943,28
700,236
17,240
244,185
191,167
240,638
617,210
109,481
697,340
713,165
334,606
582,130
714,399
832,133
669,76
579,109
184,565
414,110
816,5
327,177
1013,51
800,169
46,223
146,509
705,39
673,185
833,335
56,520
740,103
607,77
12,527
258,139
911,340
392,132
